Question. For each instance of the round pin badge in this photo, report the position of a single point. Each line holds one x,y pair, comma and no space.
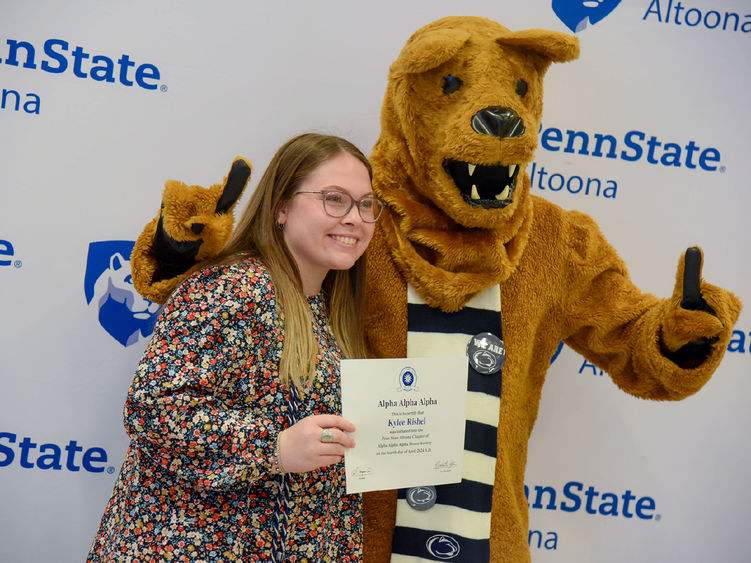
486,353
422,498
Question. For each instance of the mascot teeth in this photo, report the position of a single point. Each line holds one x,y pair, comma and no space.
488,186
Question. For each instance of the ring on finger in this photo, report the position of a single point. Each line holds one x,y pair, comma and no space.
327,436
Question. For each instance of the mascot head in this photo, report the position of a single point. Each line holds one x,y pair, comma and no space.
459,125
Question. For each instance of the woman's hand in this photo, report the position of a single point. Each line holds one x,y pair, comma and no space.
301,448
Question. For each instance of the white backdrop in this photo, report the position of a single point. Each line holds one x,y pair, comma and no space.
83,160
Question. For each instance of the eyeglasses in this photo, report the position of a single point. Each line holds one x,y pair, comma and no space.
338,204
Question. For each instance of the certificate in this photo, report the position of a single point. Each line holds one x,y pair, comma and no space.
410,418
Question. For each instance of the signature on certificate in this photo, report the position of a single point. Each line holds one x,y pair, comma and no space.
361,471
444,465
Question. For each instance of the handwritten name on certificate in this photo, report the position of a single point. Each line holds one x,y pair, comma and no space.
410,417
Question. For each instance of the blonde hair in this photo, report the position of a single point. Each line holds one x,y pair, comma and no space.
257,234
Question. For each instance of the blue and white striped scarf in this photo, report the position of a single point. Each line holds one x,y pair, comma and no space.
457,526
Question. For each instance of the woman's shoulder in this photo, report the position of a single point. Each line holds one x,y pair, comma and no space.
245,279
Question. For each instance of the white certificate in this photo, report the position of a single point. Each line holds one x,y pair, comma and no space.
410,417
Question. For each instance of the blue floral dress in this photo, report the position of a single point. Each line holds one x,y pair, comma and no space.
203,414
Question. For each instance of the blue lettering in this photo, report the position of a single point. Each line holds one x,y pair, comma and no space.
59,58
539,178
636,145
5,451
567,492
7,94
708,156
49,460
50,456
538,497
696,21
737,341
654,8
671,158
643,505
72,448
692,17
55,56
632,145
125,64
25,445
599,138
609,506
31,105
627,498
91,456
535,534
591,495
144,72
104,73
588,365
6,248
691,148
549,136
596,503
572,135
12,59
78,56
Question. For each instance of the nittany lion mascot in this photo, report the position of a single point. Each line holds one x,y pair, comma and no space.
465,260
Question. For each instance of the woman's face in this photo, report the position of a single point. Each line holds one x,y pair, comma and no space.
317,241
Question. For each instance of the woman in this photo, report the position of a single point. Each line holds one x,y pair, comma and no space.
237,449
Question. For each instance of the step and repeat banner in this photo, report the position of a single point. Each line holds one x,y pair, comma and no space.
101,102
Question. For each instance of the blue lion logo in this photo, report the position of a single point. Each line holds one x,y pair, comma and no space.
109,289
576,13
443,546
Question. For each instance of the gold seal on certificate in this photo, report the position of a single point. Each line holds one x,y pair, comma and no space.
410,417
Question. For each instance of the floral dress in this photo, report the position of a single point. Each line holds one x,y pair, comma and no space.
203,414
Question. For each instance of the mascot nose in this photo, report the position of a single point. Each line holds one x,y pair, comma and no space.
498,122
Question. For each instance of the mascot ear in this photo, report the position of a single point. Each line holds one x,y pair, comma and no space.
550,46
425,51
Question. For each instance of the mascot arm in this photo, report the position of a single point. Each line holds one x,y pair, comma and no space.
652,348
192,227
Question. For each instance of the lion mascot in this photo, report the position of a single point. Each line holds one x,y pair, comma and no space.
465,256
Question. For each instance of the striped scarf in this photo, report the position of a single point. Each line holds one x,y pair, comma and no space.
457,526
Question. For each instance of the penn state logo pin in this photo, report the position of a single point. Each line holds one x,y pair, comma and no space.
486,353
421,498
442,546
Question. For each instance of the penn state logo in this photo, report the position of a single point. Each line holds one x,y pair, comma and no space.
422,498
109,290
486,353
408,379
442,546
577,13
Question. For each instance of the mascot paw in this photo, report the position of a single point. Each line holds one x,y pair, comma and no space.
700,314
193,225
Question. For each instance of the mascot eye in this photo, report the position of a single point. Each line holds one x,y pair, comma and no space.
451,84
521,88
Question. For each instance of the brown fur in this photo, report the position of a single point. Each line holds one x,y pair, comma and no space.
182,207
559,278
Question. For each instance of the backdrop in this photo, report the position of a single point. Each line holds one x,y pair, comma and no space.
101,102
